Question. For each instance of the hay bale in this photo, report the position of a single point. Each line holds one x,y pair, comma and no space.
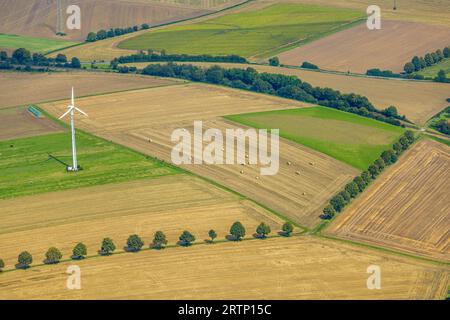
288,163
311,163
297,173
242,171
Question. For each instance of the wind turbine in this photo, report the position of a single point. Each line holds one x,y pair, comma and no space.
70,109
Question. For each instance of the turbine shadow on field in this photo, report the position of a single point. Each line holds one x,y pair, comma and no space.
57,160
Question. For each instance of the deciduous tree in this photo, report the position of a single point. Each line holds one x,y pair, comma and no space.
287,229
159,240
25,259
237,230
263,230
79,251
53,256
107,247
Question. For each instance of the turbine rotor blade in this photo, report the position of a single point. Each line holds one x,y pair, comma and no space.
73,103
66,113
81,111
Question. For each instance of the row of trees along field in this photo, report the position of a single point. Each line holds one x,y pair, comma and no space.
114,32
135,244
276,84
23,57
419,63
152,56
352,189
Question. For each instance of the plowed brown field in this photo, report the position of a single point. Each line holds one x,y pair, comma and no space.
145,119
407,208
359,49
19,122
38,18
281,268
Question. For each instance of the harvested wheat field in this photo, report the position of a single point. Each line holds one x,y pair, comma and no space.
39,87
38,18
170,204
419,101
300,190
19,123
407,208
277,268
359,49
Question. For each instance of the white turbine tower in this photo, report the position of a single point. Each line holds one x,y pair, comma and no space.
70,109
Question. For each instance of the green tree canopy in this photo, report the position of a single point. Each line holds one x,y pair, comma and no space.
91,37
79,251
328,212
212,234
61,58
107,247
75,63
25,259
186,238
287,228
237,230
274,61
134,243
22,55
159,240
352,188
263,230
409,68
53,256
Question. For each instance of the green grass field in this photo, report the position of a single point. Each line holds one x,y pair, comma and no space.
33,44
347,137
26,167
246,33
431,72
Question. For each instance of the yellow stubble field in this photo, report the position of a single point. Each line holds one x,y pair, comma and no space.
170,204
407,207
303,267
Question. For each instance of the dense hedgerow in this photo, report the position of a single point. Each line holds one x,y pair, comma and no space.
151,56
